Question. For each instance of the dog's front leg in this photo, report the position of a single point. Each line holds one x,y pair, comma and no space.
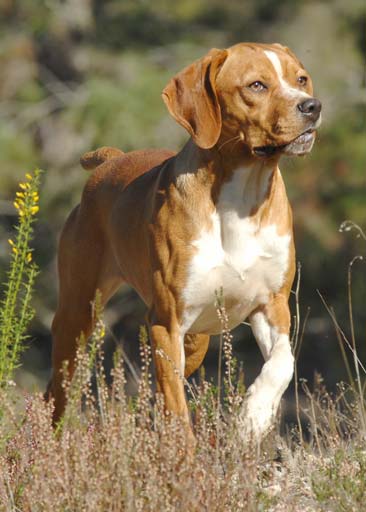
195,349
169,359
270,325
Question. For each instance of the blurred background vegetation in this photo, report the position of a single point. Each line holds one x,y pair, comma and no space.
77,74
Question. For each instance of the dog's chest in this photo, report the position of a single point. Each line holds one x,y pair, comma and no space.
235,257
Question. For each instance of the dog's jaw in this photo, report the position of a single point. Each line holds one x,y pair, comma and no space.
300,146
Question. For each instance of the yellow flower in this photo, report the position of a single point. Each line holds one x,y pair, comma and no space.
20,194
15,250
35,196
28,176
16,205
34,210
29,257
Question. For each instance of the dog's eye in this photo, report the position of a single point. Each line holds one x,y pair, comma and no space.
257,86
302,80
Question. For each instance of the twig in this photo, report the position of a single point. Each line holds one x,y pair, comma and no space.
332,316
353,339
344,356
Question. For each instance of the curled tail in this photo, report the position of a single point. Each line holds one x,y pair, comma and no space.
92,159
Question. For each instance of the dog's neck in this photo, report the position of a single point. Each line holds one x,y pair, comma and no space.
211,169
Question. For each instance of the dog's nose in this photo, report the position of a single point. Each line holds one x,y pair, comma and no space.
310,108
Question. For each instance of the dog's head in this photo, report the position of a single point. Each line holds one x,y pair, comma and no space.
258,94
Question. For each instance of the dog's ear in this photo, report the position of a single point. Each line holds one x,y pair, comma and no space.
192,100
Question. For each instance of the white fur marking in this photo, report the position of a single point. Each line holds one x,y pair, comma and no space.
262,332
288,90
247,261
264,395
273,57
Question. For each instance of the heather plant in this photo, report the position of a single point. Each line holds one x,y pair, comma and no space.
15,307
117,453
111,454
89,358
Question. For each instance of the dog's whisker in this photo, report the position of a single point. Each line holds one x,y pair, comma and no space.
236,143
229,140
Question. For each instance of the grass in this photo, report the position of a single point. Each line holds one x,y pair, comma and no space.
112,452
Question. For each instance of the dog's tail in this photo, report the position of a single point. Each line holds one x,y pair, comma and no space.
92,159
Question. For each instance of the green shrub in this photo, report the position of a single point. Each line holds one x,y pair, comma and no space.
15,307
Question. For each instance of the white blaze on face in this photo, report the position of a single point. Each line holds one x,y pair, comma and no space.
286,87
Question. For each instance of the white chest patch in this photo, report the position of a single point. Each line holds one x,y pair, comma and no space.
246,261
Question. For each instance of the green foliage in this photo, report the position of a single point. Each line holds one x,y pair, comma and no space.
341,481
115,111
140,24
15,308
16,152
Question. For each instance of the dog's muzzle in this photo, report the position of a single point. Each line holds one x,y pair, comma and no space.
299,146
302,144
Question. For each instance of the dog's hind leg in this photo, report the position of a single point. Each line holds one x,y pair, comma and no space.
84,267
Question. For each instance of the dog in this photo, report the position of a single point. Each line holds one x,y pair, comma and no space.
179,227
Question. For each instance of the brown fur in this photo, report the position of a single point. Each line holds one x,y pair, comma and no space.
140,211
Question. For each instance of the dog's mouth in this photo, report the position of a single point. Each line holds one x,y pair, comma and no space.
299,146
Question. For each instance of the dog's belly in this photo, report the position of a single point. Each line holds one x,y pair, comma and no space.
241,271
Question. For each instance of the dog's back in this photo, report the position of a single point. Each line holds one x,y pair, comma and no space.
112,164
